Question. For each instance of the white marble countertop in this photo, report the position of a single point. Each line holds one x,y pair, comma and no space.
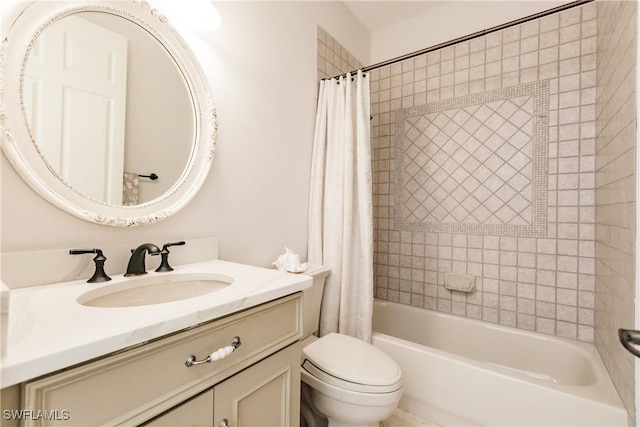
49,330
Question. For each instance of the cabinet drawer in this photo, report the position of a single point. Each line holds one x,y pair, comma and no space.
135,385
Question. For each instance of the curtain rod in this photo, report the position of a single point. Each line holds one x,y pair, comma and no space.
468,37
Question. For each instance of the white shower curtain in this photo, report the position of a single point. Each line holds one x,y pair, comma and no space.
340,205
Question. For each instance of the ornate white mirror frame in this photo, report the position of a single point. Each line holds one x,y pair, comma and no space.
24,154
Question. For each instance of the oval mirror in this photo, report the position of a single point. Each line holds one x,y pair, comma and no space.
110,118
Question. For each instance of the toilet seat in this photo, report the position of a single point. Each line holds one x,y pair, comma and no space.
348,396
351,364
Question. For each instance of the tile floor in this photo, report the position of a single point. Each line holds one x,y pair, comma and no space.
402,418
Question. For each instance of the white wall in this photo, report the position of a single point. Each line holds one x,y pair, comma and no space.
261,68
261,64
449,21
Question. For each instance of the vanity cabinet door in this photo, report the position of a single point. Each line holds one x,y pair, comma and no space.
266,394
195,412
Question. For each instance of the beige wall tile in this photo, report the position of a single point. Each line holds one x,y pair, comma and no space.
332,58
614,182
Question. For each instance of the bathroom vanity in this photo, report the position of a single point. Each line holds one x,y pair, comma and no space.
127,365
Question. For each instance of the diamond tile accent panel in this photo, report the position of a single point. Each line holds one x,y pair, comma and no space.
475,164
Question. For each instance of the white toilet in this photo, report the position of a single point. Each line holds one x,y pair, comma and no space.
345,381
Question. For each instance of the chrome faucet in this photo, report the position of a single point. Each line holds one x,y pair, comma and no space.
136,262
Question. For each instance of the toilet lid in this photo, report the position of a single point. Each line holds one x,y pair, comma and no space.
350,360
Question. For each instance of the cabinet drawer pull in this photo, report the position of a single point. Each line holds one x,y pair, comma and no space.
220,353
224,423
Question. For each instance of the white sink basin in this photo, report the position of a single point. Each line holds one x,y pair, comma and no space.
155,289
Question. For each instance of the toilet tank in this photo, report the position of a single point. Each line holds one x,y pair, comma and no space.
312,299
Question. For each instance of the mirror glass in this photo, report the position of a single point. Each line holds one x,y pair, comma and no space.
105,102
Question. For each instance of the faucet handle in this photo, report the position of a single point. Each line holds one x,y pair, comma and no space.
164,264
166,245
99,275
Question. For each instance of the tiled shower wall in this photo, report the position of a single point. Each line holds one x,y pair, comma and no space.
615,197
333,58
483,163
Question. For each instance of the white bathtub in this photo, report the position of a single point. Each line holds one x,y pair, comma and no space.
459,371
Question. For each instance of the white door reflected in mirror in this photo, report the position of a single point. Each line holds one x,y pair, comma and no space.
75,99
